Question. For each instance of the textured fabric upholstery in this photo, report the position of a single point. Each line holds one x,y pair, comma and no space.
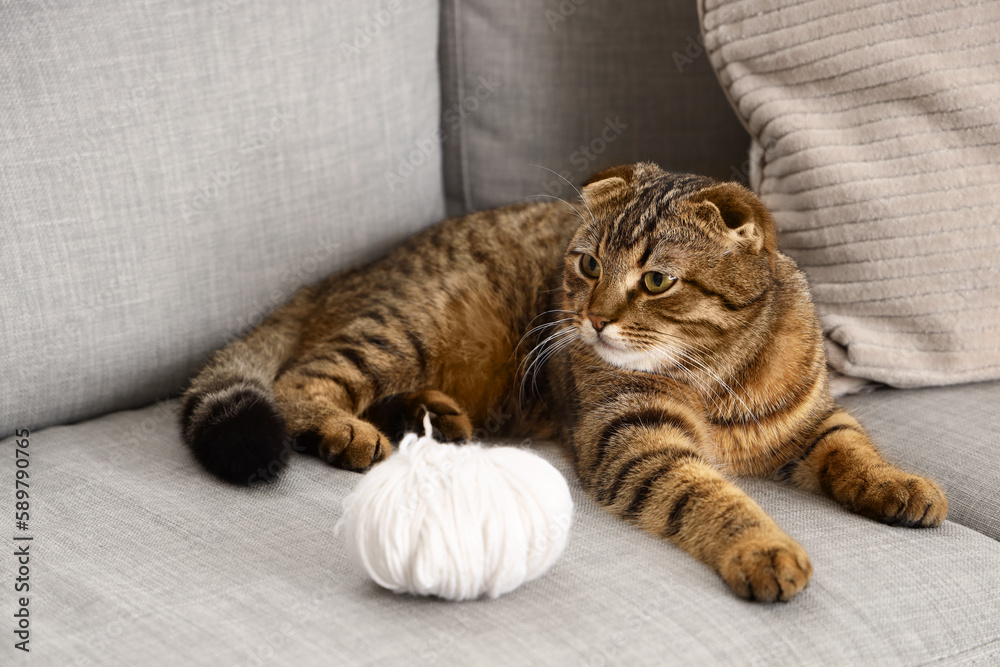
576,86
169,173
879,158
142,558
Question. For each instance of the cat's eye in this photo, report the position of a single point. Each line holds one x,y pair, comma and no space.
590,266
658,283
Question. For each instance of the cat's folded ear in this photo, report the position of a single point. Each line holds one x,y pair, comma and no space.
604,186
737,215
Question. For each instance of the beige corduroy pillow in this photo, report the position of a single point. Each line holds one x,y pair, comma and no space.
876,127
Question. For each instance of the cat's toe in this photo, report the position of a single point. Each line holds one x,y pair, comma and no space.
925,506
353,444
453,428
766,569
901,499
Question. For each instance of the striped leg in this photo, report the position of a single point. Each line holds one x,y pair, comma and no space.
323,394
320,398
841,462
643,465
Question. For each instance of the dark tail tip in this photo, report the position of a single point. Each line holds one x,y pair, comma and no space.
238,435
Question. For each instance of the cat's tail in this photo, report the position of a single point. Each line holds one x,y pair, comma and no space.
229,416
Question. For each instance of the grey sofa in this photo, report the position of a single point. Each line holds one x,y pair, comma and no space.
171,171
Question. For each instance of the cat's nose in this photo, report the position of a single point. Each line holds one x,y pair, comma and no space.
597,320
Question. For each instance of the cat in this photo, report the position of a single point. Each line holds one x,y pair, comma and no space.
653,327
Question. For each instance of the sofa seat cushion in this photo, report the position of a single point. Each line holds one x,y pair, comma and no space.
139,557
949,433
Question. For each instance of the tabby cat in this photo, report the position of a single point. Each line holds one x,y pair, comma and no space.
653,327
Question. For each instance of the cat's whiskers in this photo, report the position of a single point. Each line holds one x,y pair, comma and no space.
541,348
576,211
660,335
551,352
729,374
536,352
532,369
710,393
714,374
541,353
550,312
722,383
540,327
592,218
693,347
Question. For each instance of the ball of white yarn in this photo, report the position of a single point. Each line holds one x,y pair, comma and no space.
457,521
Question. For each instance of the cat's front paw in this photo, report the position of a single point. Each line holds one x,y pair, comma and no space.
766,568
896,498
352,444
447,417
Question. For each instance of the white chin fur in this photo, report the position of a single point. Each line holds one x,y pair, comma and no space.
616,354
635,361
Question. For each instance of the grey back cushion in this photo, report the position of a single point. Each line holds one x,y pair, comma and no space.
576,87
170,172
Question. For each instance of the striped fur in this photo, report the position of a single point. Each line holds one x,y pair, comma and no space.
539,320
